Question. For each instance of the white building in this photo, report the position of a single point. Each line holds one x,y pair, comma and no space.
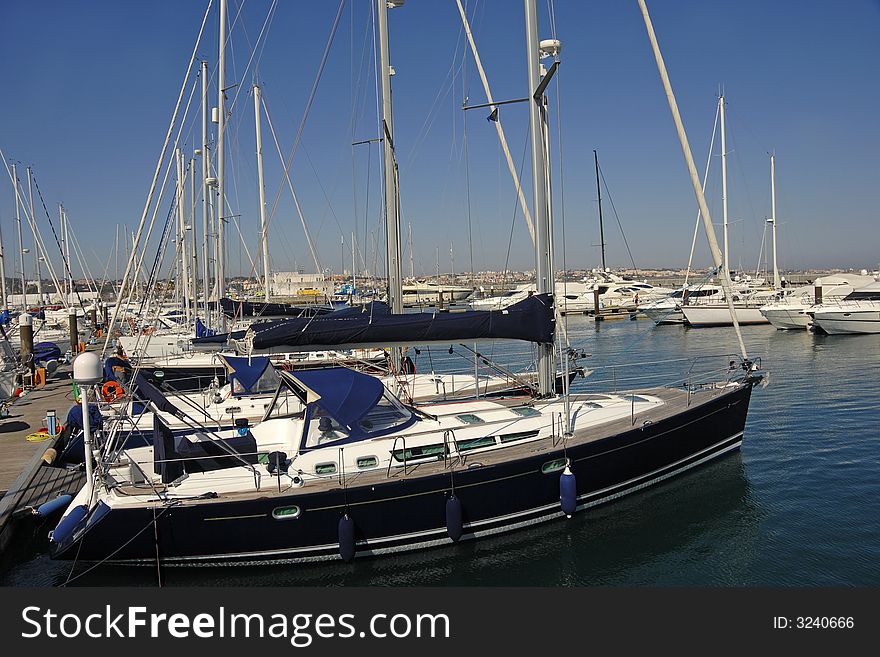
292,283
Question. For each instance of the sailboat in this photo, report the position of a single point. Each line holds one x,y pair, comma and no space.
340,467
750,295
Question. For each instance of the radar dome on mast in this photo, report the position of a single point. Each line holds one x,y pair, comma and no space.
549,48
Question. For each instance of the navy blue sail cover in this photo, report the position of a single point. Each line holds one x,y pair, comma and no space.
146,391
218,338
531,319
236,308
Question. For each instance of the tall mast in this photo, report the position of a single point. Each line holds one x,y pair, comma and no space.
221,122
392,221
183,281
777,282
411,265
116,254
2,274
20,242
353,263
724,183
62,217
452,260
206,172
543,259
264,236
33,222
601,223
194,271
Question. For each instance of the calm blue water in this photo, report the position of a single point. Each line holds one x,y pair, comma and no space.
798,506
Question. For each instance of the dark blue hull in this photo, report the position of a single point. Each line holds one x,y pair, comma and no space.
411,512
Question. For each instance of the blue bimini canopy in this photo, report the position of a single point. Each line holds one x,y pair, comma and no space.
356,403
343,394
245,373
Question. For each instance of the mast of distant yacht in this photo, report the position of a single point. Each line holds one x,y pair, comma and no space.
33,224
777,282
221,122
264,236
601,223
20,241
726,263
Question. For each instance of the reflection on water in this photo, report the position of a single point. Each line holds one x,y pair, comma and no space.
800,505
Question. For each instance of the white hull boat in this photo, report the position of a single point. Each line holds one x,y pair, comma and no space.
719,315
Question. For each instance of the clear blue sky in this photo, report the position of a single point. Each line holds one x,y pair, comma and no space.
89,88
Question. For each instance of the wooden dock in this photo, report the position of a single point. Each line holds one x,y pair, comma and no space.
24,479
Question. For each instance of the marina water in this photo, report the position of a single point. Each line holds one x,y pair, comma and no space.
799,505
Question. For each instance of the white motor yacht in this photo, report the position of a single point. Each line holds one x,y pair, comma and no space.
791,311
858,312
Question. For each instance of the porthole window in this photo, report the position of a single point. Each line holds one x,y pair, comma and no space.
286,512
475,443
520,435
420,452
325,468
365,462
554,466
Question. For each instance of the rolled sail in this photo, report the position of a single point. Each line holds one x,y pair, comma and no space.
531,320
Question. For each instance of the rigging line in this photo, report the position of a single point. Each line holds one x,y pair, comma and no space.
692,172
142,255
616,216
745,184
83,265
513,224
57,243
302,124
299,211
41,244
355,103
264,32
705,178
149,200
104,280
117,550
442,92
551,9
498,126
324,190
467,171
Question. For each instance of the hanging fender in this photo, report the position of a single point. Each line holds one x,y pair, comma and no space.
346,538
454,525
568,492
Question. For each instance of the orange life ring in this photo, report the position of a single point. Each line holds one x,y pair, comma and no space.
111,391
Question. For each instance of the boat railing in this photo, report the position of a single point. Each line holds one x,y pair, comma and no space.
696,372
448,441
393,452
